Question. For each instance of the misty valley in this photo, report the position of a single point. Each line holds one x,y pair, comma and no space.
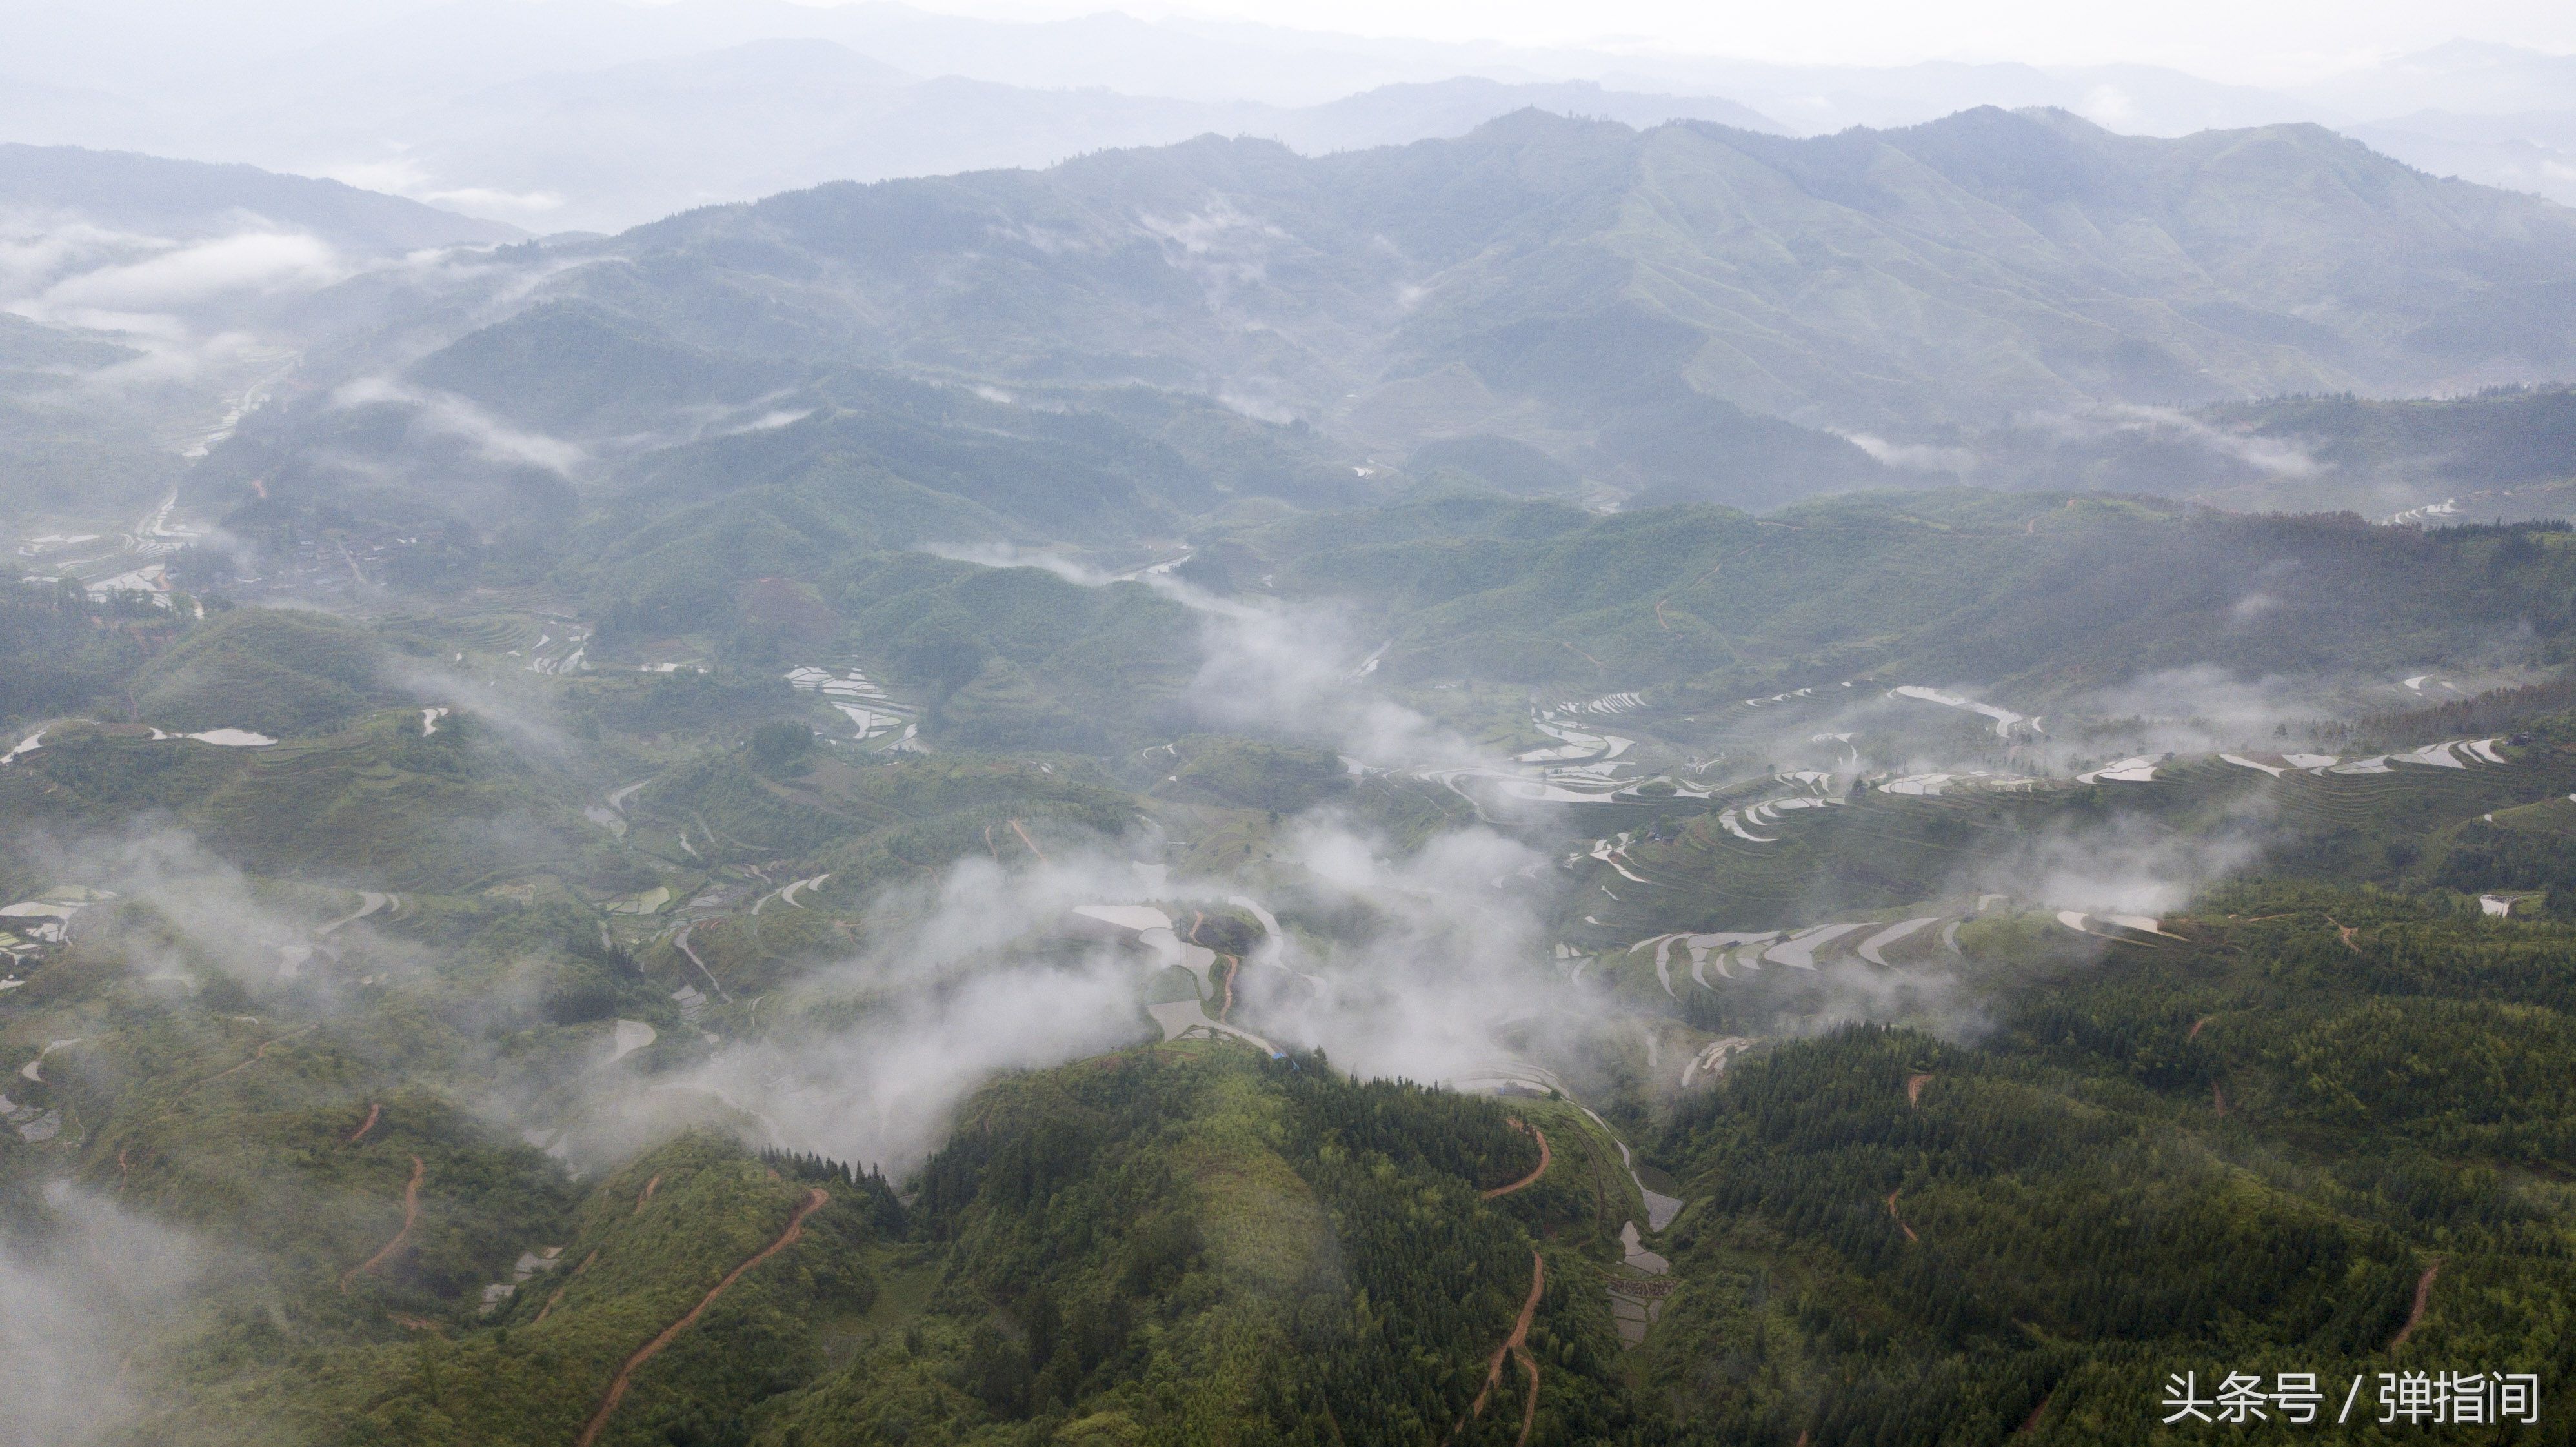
1589,773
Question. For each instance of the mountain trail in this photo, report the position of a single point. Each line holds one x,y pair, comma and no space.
1532,1177
617,1385
2423,1298
1515,1345
256,1056
411,1217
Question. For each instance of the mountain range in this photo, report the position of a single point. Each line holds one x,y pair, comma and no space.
632,143
1685,312
593,114
1689,310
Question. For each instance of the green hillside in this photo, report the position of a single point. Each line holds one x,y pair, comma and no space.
262,670
566,365
2038,593
2198,1150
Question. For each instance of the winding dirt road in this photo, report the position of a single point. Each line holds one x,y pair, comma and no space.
2423,1299
590,1430
1516,1345
411,1217
1532,1177
256,1056
374,1109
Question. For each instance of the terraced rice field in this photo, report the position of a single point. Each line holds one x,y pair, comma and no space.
1760,865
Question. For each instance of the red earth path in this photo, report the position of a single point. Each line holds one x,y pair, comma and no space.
2423,1298
411,1215
1515,1345
1899,1220
1533,1176
617,1385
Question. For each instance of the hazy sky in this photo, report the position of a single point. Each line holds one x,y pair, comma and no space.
2250,41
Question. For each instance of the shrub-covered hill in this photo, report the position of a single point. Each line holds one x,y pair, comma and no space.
1242,773
2326,1132
750,468
869,824
1014,658
264,670
1177,1246
378,803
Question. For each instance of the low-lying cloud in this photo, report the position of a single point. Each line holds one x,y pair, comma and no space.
186,275
1272,668
448,415
868,1060
76,1301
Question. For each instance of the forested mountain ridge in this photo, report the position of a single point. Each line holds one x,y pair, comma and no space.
2079,263
1684,313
